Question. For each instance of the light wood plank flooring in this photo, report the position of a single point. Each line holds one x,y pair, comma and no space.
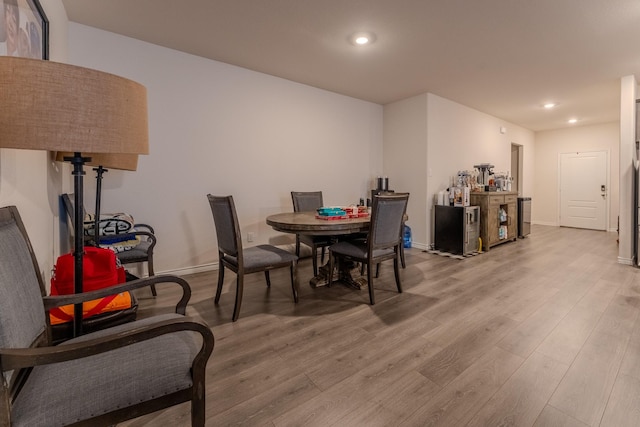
544,331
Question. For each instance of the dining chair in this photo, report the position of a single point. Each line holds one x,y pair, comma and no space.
382,243
382,193
101,378
309,201
241,260
141,252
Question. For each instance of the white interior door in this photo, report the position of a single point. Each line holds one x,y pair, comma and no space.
583,190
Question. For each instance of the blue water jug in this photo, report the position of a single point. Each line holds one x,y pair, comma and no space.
406,237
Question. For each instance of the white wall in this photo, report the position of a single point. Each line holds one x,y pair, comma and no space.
549,146
405,157
461,137
221,129
428,139
628,138
28,178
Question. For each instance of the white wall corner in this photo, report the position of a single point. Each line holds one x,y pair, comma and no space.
628,95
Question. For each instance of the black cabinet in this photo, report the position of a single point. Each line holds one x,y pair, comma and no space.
457,229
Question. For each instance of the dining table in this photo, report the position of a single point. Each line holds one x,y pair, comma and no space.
338,227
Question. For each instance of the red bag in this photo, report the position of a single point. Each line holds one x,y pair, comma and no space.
101,269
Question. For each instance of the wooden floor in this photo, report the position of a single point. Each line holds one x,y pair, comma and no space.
544,331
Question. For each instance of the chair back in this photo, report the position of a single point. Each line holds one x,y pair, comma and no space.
23,322
306,201
67,201
387,217
227,227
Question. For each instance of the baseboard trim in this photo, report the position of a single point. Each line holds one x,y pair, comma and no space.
420,246
625,261
215,266
192,270
552,224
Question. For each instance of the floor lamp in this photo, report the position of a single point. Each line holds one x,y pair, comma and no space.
46,105
102,161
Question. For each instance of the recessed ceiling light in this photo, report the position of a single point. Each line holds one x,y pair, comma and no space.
572,121
549,105
362,38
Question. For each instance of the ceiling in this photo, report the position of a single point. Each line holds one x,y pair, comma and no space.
502,57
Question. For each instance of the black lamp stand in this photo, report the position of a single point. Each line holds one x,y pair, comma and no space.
96,225
78,253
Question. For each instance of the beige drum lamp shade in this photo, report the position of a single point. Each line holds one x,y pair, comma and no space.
52,106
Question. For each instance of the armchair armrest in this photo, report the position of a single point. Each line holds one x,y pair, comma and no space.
147,226
149,235
60,300
11,359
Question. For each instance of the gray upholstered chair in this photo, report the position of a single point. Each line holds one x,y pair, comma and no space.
142,252
97,379
383,241
383,193
309,201
241,260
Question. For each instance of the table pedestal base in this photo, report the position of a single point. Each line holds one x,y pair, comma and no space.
348,274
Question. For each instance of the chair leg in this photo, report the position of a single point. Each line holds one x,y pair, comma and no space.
268,278
297,245
377,270
239,291
372,298
198,409
322,254
152,273
404,265
330,271
314,258
294,281
220,282
396,271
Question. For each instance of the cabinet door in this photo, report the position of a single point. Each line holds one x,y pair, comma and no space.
493,223
512,224
482,202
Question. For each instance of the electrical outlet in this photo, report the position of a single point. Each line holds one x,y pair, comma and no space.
250,236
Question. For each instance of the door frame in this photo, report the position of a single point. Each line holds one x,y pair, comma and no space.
519,165
608,184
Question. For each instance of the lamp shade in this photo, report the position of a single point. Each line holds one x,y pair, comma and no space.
127,162
52,106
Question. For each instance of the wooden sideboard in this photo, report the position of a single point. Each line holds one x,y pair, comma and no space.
498,217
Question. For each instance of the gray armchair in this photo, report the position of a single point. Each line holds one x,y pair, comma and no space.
97,379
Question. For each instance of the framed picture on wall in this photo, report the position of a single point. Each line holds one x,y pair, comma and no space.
24,29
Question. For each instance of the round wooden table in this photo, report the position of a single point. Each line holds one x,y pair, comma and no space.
307,223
